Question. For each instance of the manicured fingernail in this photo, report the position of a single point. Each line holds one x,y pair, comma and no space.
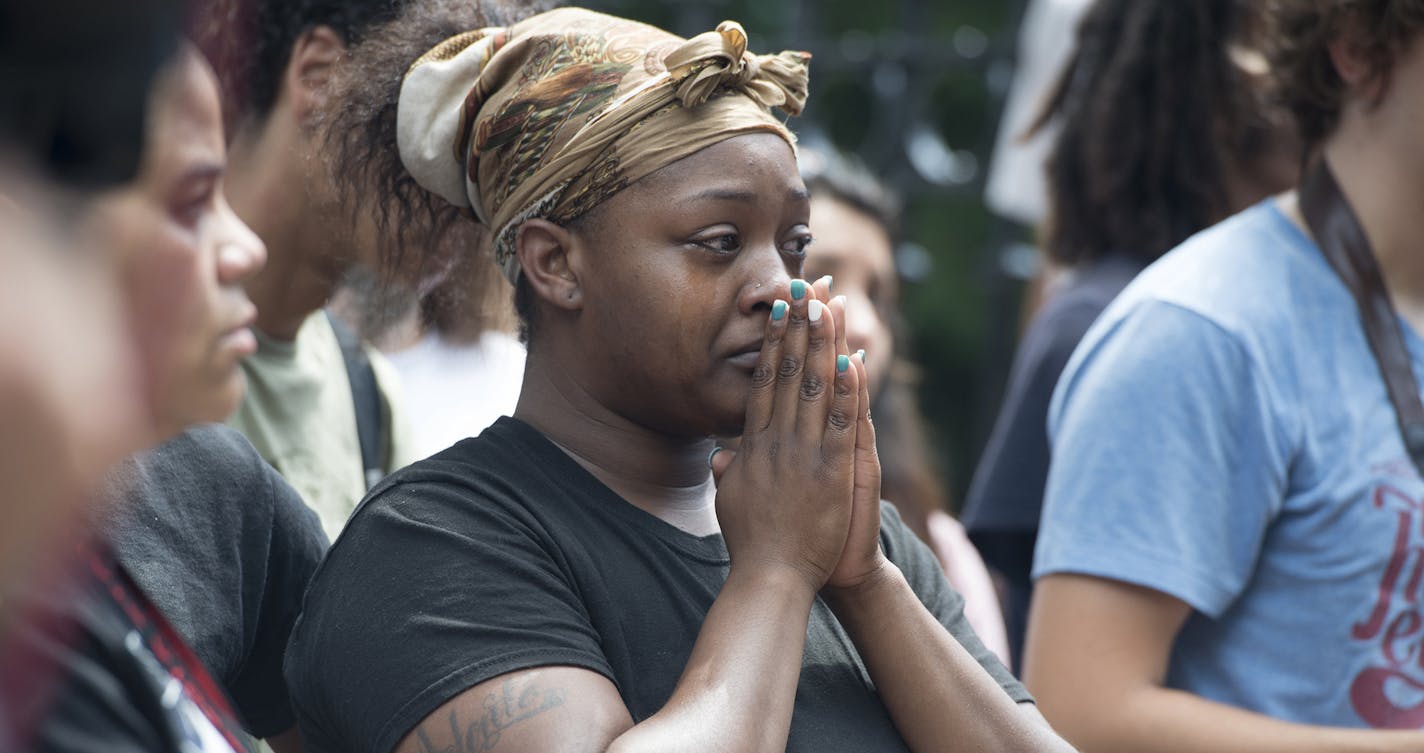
861,355
842,363
713,454
798,289
778,310
814,311
828,280
841,299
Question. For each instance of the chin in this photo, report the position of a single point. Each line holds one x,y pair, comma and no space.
220,402
231,398
728,423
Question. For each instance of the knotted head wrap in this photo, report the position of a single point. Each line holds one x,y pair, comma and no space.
549,117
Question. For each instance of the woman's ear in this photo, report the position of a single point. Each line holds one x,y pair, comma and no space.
1352,63
543,250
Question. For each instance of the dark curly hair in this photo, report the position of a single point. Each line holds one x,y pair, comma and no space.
1305,79
361,134
1152,108
249,42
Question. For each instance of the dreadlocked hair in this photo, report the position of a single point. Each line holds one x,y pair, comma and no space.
1151,106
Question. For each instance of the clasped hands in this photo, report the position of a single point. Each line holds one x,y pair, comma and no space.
801,493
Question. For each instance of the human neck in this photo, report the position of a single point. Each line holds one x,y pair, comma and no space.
1387,196
666,477
266,186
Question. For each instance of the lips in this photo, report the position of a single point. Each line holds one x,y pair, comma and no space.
746,357
239,337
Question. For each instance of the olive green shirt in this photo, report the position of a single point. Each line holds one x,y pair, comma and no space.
298,413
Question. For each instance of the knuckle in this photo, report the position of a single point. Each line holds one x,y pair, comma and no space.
816,340
839,420
790,367
843,388
812,388
763,375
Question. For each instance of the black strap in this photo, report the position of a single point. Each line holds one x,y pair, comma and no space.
365,398
1344,244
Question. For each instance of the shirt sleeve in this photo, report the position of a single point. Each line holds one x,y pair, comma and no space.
925,576
297,543
1167,462
1006,493
378,649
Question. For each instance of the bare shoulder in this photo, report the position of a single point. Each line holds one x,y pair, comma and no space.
548,709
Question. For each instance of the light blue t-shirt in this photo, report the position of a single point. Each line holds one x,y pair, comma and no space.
1223,435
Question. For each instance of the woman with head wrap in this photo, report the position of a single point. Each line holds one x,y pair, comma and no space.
573,579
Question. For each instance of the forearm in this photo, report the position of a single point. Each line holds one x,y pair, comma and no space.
934,689
1096,659
1153,719
739,686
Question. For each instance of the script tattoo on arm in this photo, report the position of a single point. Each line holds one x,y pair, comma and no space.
517,700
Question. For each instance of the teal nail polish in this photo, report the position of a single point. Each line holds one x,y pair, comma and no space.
830,283
778,311
842,364
861,355
713,454
798,289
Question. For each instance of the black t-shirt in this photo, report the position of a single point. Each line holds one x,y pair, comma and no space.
501,553
91,665
225,548
1005,498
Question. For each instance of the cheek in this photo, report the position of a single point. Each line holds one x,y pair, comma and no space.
166,292
884,341
646,305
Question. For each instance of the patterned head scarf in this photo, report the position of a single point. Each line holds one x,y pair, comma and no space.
549,117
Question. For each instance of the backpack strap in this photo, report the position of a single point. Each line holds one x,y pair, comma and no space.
366,399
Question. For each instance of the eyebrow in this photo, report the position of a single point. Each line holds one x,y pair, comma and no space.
745,197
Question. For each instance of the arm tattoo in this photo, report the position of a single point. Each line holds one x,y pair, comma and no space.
503,709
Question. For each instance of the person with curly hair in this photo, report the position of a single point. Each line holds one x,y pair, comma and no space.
591,573
1229,558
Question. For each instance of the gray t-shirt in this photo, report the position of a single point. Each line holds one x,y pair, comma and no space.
502,554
